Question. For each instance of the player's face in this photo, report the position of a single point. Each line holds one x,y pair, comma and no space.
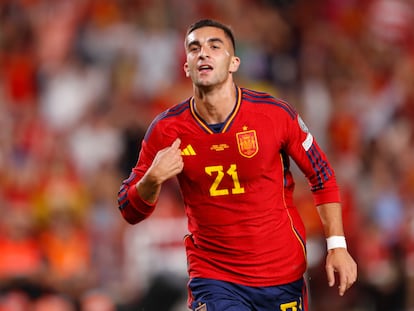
210,57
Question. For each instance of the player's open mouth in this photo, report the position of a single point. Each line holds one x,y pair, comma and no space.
204,68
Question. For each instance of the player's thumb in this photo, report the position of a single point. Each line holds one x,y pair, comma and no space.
176,144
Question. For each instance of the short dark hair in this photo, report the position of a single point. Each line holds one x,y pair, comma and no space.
212,23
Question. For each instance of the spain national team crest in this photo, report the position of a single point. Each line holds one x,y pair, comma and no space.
247,143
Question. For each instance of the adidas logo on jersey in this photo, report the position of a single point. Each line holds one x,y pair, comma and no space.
188,151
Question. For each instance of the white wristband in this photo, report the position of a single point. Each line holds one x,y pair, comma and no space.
336,241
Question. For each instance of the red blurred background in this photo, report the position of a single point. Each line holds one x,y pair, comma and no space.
80,80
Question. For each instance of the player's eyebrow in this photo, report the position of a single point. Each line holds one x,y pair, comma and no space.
214,40
210,40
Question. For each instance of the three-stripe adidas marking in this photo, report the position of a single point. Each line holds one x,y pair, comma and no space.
188,151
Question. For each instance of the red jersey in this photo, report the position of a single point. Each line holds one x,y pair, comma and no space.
238,189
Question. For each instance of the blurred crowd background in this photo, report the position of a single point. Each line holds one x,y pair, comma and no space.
80,80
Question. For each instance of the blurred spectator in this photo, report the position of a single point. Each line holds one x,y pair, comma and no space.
67,249
95,144
51,301
157,45
21,255
97,301
15,300
105,232
68,93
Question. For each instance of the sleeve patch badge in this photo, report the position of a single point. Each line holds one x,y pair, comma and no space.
302,125
307,143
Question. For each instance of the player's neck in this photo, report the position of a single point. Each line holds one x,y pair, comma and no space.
215,105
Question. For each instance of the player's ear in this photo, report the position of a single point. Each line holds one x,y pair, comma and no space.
186,70
234,65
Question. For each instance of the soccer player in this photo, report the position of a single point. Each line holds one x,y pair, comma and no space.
230,149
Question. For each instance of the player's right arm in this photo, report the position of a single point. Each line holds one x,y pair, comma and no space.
167,163
139,193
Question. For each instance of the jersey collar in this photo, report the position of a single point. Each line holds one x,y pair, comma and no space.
227,122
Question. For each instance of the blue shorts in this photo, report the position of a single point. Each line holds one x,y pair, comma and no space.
213,295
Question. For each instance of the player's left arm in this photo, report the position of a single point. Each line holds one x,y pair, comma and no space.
311,159
338,260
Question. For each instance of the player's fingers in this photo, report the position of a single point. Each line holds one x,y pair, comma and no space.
175,147
351,277
343,284
346,280
172,152
330,273
350,274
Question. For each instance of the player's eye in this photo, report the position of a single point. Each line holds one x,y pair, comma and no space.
194,48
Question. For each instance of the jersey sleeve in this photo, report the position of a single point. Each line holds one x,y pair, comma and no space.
310,158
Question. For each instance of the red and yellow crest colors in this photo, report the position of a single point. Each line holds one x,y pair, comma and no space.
247,143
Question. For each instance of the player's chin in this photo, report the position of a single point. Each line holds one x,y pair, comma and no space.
204,83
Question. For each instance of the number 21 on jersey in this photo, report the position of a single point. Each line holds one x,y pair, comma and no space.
220,173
